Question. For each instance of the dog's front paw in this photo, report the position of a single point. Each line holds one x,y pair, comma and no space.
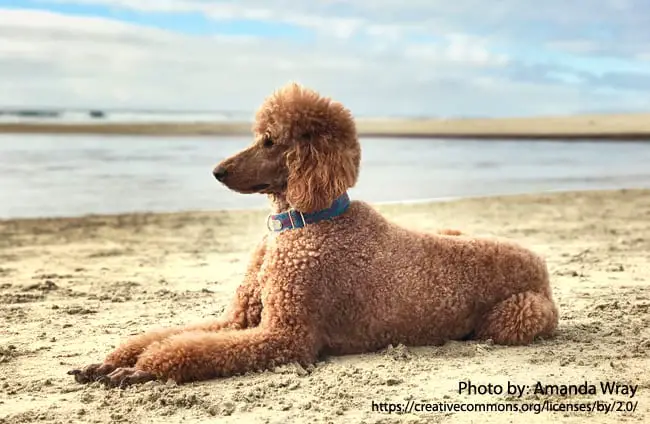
124,377
91,373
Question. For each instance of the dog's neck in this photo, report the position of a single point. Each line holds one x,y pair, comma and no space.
279,202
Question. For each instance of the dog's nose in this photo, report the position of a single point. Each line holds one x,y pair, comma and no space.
219,173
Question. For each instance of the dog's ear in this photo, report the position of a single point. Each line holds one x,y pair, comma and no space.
320,170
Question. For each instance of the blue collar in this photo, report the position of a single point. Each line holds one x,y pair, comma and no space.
293,219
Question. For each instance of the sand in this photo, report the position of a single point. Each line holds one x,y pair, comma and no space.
607,127
71,289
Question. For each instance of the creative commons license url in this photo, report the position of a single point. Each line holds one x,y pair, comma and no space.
597,406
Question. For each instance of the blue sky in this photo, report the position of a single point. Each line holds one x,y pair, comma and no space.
189,22
383,57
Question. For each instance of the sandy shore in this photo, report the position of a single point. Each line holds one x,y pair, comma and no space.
628,126
71,289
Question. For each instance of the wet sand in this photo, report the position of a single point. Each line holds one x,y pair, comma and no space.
595,127
71,289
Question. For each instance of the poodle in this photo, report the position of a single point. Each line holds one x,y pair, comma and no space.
332,276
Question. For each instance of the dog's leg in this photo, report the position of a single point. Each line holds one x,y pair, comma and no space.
287,333
126,355
202,355
519,319
244,312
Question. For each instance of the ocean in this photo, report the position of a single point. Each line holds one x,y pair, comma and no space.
64,175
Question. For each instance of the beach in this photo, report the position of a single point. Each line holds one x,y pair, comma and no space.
72,288
634,126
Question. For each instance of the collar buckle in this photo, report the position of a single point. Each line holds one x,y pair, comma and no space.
273,224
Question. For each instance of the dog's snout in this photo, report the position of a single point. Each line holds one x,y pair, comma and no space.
219,173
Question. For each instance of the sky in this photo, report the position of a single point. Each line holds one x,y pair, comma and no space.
444,58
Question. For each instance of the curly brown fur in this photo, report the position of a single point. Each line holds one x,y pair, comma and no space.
352,284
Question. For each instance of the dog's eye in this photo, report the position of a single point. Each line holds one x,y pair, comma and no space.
268,141
306,136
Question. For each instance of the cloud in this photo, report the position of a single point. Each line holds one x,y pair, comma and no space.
378,58
609,22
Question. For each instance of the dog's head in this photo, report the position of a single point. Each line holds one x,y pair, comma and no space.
305,148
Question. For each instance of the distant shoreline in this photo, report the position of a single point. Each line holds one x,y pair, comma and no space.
593,127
